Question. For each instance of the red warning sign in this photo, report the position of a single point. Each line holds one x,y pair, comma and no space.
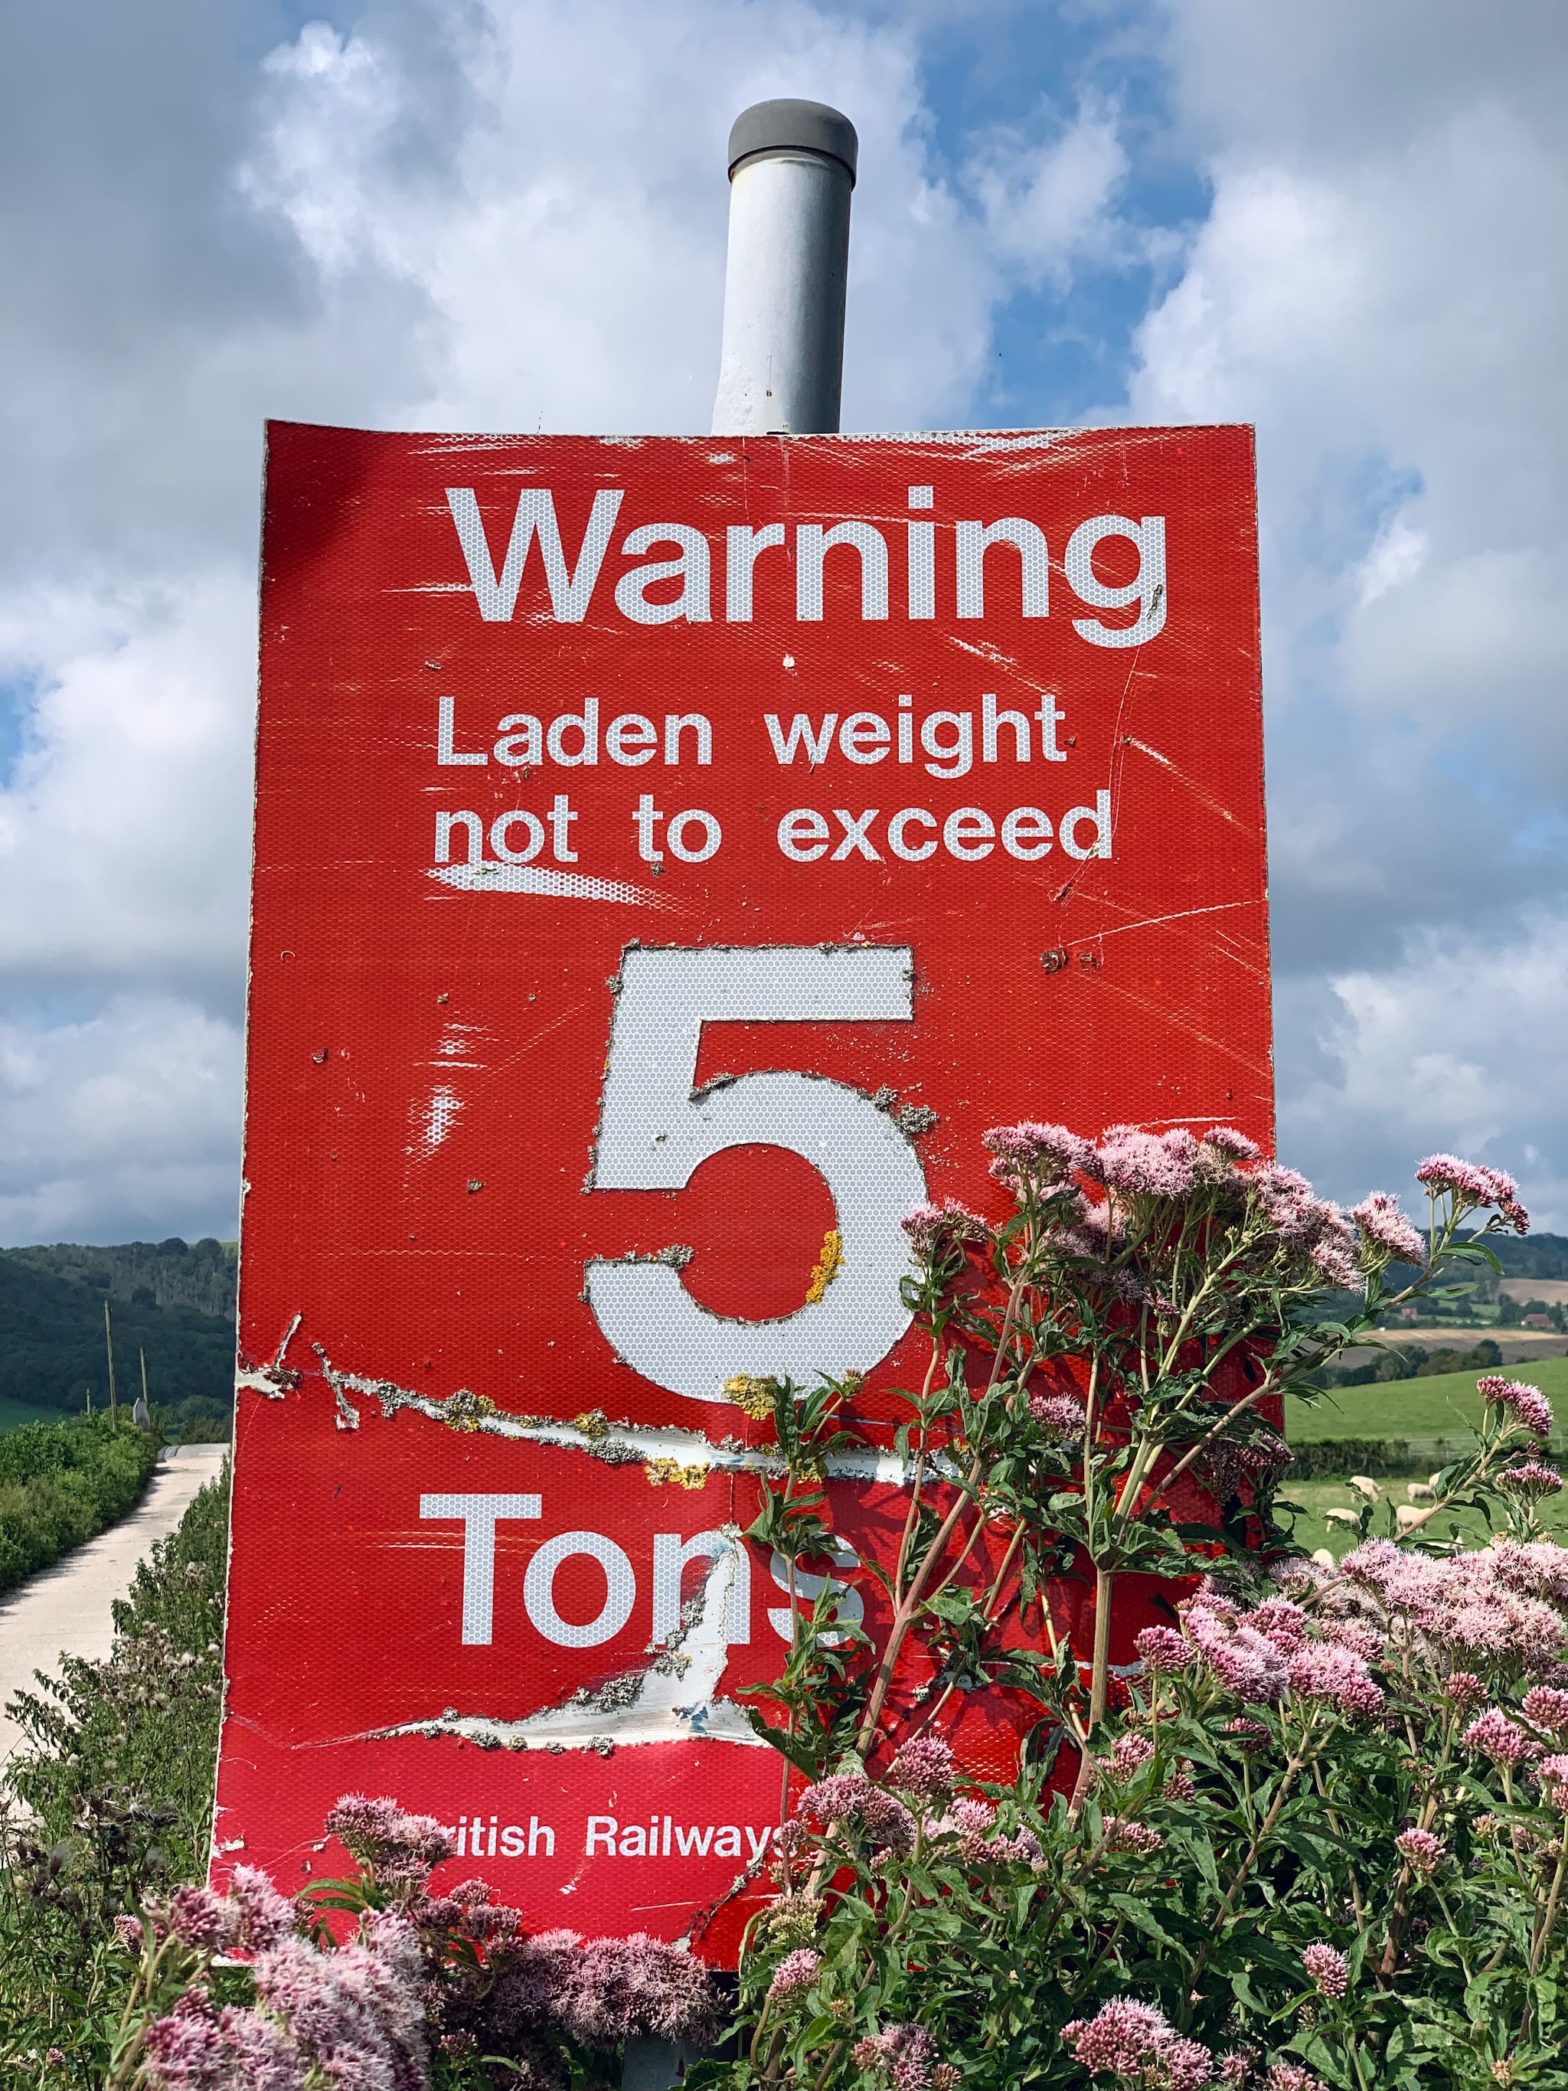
671,856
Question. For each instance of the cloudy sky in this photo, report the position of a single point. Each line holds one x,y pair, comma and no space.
1342,222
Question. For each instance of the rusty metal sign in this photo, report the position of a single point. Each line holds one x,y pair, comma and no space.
671,856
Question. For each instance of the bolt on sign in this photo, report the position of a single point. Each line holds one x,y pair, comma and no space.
671,856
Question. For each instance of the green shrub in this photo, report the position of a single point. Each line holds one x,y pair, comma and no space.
60,1483
115,1775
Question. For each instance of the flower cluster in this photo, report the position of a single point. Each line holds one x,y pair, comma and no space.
1386,1235
1527,1405
850,1798
396,1848
1473,1184
906,2057
1326,1970
354,2016
1136,2044
923,1768
1420,1850
933,1229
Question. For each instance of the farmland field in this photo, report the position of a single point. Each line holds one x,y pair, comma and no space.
1443,1406
1313,1530
1554,1291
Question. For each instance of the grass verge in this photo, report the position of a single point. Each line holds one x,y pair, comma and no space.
62,1483
115,1786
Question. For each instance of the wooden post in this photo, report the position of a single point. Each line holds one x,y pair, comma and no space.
108,1344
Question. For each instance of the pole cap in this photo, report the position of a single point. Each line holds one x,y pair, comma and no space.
791,126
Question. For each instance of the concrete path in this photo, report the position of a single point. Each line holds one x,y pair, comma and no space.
65,1609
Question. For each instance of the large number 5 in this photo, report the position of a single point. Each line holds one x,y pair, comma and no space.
654,1131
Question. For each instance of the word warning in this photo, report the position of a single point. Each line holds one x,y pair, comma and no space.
671,857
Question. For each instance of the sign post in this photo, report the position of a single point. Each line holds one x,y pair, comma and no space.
671,856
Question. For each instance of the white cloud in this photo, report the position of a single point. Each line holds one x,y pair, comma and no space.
1458,1046
512,215
124,827
110,1125
1047,206
1377,284
493,216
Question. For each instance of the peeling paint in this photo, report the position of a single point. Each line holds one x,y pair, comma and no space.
616,1444
669,1701
274,1380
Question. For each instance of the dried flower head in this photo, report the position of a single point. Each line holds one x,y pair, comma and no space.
933,1229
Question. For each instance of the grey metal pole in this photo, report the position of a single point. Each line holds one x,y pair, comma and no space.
781,364
781,369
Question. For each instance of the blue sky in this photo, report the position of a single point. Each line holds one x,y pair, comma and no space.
1341,223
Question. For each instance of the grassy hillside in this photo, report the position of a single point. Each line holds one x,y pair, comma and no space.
1445,1405
173,1273
52,1343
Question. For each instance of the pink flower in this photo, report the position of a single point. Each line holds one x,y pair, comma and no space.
1494,1735
1146,1165
1248,1735
850,1797
1122,1834
1163,1649
1290,2076
1061,1416
1038,1156
1462,1688
1334,1261
1324,1670
1553,1775
1385,1232
1129,1754
1327,1969
1235,1147
128,1933
263,1916
923,1768
1472,1184
398,1848
1137,2044
1420,1850
1527,1404
1531,1478
605,1991
949,1225
1284,1623
906,2055
1243,1660
1545,1706
198,1918
796,1971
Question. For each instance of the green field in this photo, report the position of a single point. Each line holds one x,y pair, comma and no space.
1444,1406
1313,1530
